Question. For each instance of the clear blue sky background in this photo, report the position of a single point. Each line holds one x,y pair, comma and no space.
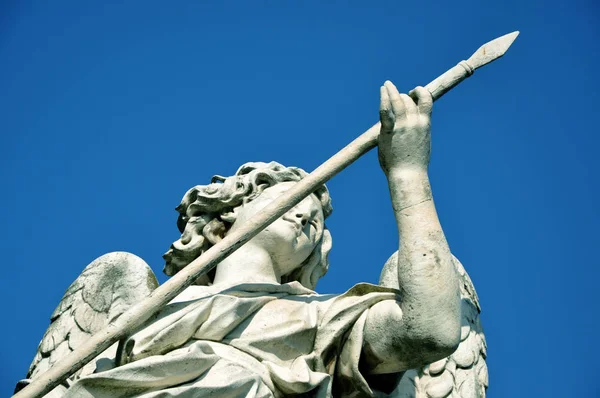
110,112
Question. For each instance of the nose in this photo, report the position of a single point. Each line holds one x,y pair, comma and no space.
302,217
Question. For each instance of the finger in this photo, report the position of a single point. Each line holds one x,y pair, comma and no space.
397,104
423,98
409,105
385,112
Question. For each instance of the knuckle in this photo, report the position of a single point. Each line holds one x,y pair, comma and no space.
386,117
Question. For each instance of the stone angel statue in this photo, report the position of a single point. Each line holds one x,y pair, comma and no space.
254,327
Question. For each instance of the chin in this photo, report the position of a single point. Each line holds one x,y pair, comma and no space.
286,246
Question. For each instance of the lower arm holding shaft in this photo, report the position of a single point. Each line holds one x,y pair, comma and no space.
426,274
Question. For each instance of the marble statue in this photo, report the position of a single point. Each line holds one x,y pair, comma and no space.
254,327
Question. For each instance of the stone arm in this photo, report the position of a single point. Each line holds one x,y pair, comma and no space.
424,325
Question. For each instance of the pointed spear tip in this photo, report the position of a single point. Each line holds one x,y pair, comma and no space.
502,43
492,50
510,38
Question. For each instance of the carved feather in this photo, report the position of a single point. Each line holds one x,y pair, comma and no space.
106,288
463,374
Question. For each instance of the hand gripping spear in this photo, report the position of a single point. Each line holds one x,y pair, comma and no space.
209,259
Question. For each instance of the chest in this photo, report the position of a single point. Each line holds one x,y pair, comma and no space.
284,329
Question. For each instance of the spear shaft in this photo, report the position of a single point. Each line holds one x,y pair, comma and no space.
139,313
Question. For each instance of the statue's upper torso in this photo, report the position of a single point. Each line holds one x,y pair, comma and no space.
254,340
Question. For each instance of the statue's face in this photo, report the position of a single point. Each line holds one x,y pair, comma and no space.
292,238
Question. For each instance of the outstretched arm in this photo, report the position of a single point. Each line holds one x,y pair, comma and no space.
425,325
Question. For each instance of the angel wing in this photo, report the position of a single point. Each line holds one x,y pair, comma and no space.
106,288
463,374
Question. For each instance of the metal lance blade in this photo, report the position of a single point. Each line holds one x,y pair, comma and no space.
136,315
487,53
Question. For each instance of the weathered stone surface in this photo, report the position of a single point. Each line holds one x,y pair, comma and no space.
255,327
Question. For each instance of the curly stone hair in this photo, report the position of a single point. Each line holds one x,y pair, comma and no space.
206,215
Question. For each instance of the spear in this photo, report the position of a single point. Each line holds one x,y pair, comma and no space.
139,313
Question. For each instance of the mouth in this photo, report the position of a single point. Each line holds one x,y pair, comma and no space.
296,226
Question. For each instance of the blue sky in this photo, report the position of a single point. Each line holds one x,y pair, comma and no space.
110,112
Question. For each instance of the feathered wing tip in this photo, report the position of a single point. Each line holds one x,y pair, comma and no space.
463,374
106,288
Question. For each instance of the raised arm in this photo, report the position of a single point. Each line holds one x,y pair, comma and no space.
425,325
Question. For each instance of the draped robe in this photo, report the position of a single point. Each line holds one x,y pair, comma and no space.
250,340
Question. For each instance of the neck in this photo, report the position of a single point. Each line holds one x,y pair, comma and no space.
250,263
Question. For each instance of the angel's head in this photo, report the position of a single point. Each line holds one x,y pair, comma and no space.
298,242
